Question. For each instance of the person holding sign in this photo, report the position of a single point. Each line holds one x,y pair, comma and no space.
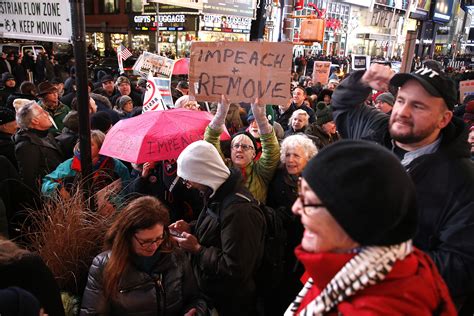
257,175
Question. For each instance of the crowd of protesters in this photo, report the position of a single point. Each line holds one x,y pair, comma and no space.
370,174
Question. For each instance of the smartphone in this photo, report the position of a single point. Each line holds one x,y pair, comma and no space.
176,233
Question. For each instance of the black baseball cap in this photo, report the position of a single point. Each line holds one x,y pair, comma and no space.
435,82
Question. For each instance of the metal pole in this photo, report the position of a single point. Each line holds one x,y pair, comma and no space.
79,43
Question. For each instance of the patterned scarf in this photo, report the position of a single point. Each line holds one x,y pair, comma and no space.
370,266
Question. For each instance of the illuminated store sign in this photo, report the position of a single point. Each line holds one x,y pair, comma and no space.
226,23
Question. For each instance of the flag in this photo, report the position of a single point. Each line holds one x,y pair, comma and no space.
123,52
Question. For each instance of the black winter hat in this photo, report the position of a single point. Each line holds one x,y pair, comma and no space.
6,115
323,113
7,76
366,189
101,121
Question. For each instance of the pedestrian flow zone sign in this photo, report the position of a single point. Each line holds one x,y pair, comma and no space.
36,20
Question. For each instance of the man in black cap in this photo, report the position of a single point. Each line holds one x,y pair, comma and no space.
432,145
108,89
8,127
9,87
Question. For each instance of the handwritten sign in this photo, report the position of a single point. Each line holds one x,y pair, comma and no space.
321,71
158,65
360,62
466,88
242,71
36,20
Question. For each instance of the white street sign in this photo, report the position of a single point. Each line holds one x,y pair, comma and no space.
39,20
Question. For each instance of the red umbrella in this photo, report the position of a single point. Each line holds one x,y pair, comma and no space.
156,135
181,66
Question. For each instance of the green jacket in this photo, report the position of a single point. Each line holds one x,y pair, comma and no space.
58,115
257,175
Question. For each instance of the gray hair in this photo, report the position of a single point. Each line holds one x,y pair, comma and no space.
297,113
26,114
298,140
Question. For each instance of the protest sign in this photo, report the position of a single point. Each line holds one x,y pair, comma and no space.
158,65
152,100
360,62
465,88
321,71
242,71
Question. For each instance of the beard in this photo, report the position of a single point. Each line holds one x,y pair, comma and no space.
409,135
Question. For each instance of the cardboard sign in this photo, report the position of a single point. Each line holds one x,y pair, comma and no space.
360,62
466,88
321,71
158,65
242,71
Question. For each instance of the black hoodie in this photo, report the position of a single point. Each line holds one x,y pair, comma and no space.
444,182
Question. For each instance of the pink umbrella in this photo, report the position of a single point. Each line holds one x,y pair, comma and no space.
181,66
156,135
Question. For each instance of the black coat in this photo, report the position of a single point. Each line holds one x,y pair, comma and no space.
136,97
232,248
29,272
443,180
7,148
319,136
38,154
169,289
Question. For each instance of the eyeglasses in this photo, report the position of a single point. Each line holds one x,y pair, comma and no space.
148,243
308,209
243,146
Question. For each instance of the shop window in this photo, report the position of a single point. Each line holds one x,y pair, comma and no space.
89,7
133,6
108,6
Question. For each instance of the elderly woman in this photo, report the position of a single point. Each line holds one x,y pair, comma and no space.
185,103
296,151
257,175
142,272
356,246
105,170
298,122
124,107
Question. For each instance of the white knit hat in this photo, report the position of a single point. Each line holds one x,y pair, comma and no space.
200,162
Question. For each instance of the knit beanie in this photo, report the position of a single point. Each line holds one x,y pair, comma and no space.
122,79
200,162
19,302
367,191
101,121
323,113
268,112
386,97
121,101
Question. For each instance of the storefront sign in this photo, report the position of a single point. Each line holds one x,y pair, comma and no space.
242,71
193,4
360,62
422,10
398,4
466,88
226,23
321,71
442,11
36,20
243,8
143,23
157,65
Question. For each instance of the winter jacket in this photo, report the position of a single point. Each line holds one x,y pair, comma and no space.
58,115
257,175
18,95
64,173
443,180
38,154
136,98
412,287
30,273
320,137
231,241
169,289
284,118
7,148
